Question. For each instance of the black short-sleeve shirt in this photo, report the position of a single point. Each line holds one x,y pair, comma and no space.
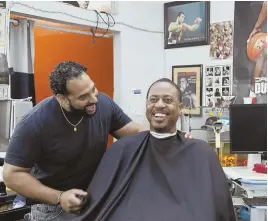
60,157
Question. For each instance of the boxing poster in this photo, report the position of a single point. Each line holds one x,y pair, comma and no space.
250,52
186,23
188,78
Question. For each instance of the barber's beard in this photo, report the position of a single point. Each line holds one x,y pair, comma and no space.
79,112
76,111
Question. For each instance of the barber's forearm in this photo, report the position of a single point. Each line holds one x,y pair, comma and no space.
130,129
142,128
28,186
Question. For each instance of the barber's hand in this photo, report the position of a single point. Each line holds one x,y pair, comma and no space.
70,201
188,135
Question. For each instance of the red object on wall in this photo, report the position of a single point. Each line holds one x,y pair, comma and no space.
260,168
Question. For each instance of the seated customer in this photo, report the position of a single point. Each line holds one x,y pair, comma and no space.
158,175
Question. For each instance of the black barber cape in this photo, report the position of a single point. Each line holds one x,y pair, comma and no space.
142,178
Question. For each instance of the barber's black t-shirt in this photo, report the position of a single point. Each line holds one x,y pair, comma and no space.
60,157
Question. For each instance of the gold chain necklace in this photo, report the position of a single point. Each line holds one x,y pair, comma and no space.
74,125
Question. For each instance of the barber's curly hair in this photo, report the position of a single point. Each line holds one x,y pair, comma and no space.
63,72
166,80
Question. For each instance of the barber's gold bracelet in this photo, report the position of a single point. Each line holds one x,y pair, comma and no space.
58,198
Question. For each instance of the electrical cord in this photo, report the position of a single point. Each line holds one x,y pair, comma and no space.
96,27
88,20
97,23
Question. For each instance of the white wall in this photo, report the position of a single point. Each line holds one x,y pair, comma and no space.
219,11
138,55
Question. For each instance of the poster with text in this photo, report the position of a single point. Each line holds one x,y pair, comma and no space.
250,51
186,23
188,78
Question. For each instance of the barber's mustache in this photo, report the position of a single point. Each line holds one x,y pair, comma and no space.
91,104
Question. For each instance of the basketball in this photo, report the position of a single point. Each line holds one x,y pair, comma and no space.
255,46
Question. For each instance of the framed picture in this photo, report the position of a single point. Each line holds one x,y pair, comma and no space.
189,80
186,23
218,89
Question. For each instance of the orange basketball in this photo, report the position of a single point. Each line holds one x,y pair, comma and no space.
255,46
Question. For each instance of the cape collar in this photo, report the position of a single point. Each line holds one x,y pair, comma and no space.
162,135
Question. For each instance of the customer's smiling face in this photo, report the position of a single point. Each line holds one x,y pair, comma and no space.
162,107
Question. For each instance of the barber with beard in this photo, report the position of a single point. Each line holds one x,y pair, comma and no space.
57,147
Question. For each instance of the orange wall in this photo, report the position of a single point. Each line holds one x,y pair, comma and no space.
53,47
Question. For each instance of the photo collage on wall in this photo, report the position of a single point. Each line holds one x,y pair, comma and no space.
218,85
221,40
